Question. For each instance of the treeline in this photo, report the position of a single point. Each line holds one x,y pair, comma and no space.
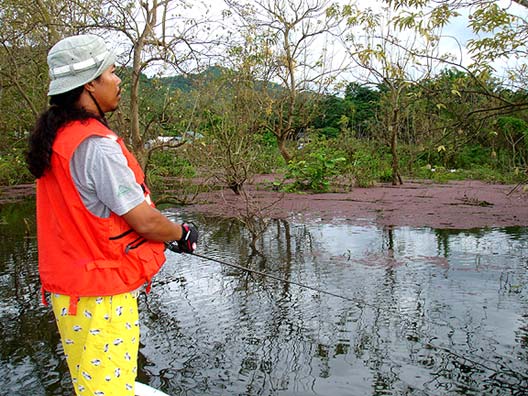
273,103
451,126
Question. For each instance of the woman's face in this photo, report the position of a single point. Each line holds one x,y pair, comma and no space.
106,90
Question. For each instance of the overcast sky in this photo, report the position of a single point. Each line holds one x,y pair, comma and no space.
455,35
458,28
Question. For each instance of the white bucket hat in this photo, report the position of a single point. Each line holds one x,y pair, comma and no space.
77,60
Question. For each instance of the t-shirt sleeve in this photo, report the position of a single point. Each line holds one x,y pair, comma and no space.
103,178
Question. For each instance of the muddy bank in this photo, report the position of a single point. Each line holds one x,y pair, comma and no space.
457,205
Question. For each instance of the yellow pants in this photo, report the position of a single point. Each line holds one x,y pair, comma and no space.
100,343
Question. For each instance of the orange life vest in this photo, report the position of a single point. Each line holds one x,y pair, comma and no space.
81,254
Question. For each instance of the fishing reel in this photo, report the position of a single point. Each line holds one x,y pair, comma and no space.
187,243
173,246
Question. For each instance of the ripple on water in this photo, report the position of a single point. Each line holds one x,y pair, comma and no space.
427,312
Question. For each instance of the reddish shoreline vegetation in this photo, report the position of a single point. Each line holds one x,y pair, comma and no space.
453,205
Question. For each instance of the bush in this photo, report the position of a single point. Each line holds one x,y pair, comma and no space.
167,164
171,163
13,168
485,173
368,161
329,132
370,165
268,158
314,170
470,162
266,139
471,155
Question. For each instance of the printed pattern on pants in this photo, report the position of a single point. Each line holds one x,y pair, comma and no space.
100,343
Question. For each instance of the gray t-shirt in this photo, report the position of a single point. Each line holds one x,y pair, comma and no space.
102,177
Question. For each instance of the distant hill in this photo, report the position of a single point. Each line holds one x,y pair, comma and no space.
186,83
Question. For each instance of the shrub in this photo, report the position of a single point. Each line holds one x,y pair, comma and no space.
13,168
471,155
267,156
329,132
167,165
485,173
313,170
370,165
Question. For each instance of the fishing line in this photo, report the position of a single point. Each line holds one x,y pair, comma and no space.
174,248
273,277
509,372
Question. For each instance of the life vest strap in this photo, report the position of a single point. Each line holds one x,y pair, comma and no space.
43,296
72,308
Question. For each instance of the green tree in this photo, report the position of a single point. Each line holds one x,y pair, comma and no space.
288,30
389,63
155,35
364,103
515,132
331,112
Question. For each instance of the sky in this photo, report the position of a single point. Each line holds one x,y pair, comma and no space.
458,28
455,35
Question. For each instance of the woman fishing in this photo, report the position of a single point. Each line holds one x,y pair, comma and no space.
100,239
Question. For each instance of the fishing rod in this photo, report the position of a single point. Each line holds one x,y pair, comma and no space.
175,248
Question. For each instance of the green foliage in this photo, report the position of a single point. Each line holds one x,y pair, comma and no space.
364,103
370,164
329,132
13,169
464,157
471,156
486,173
267,158
267,139
315,169
331,110
166,166
512,125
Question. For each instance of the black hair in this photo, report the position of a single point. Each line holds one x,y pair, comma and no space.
63,109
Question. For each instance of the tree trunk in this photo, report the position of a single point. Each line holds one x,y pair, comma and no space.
138,146
281,141
393,130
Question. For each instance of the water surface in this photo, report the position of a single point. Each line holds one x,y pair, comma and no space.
425,312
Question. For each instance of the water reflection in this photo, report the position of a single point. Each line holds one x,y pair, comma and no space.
432,312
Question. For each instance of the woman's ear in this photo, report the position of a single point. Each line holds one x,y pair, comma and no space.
89,86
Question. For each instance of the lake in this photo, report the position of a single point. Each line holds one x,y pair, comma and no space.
412,311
